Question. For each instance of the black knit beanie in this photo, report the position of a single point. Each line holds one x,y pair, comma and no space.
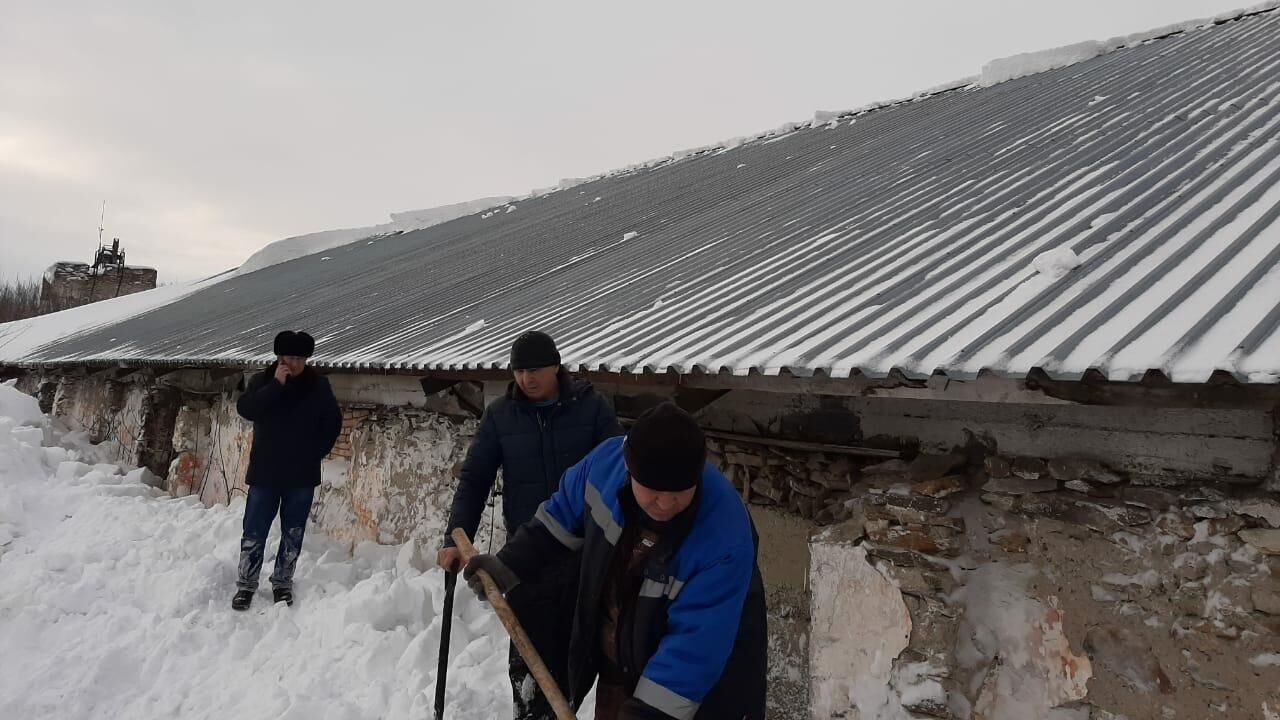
294,342
665,450
534,349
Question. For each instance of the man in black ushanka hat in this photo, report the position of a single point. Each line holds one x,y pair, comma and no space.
296,421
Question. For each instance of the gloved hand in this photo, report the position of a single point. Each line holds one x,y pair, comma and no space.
450,558
634,709
501,574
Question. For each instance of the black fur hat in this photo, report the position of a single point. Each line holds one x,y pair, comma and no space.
296,343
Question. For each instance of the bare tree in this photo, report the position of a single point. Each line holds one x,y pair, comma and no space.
19,299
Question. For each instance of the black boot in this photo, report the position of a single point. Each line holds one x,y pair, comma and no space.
284,595
242,600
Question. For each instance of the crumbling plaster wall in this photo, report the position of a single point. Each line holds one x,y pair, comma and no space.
122,413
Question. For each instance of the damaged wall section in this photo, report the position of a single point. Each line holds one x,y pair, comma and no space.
1216,444
1042,589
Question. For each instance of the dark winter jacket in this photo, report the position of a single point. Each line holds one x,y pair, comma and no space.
533,446
694,640
294,426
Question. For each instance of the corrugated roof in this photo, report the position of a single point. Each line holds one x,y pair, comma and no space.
906,237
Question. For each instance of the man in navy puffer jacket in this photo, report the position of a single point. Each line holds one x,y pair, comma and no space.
546,422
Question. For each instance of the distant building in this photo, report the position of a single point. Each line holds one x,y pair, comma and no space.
71,284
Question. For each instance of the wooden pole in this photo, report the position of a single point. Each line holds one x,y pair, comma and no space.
855,450
801,445
518,636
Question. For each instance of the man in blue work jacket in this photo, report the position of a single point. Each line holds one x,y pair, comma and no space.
670,614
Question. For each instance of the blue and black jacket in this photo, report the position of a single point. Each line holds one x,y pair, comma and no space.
695,638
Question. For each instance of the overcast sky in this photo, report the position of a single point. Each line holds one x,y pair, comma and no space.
212,129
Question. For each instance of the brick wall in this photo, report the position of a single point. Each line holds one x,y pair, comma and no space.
352,416
71,284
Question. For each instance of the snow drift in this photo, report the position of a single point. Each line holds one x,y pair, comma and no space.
115,603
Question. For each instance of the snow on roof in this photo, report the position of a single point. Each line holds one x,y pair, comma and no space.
1122,214
311,243
22,337
1010,68
1032,63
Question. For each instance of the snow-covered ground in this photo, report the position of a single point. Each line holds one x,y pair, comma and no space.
115,603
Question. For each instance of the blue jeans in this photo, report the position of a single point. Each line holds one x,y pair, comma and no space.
293,506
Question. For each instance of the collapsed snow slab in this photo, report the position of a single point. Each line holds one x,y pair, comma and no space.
20,408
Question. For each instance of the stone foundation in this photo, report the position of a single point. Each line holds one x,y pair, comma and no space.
1019,588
